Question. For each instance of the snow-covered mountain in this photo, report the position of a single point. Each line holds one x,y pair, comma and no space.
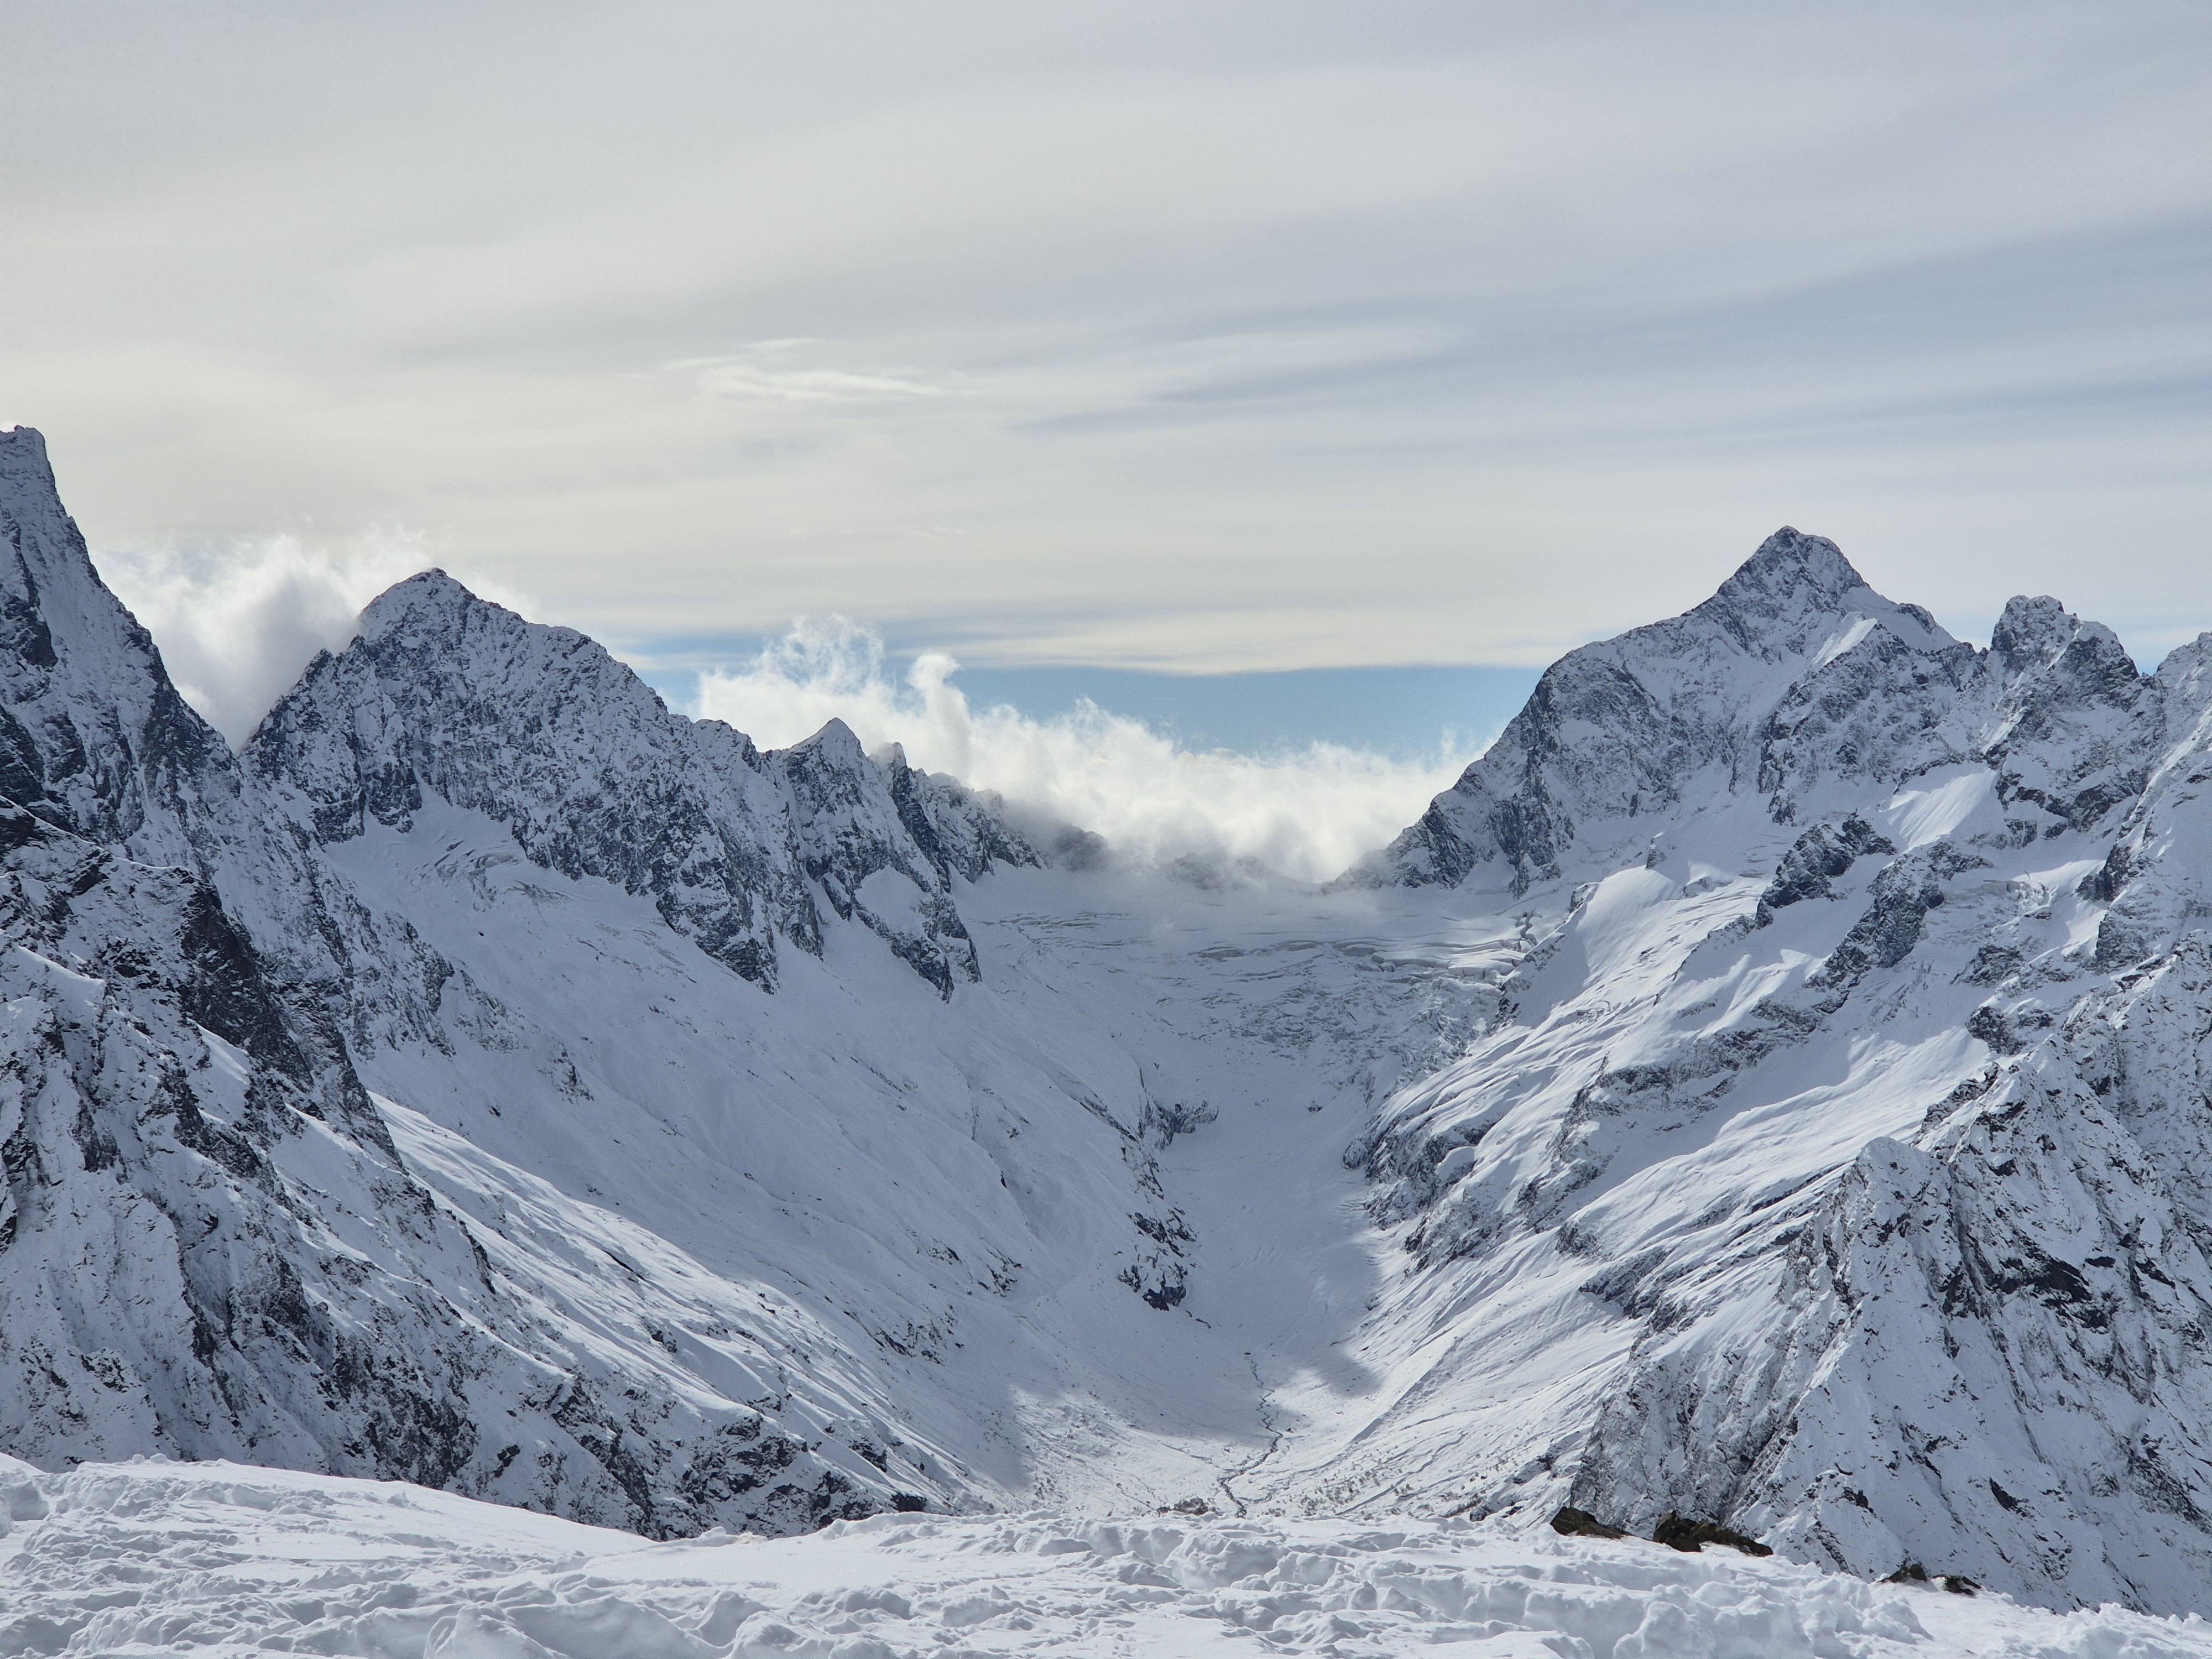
1847,1106
1770,1085
576,757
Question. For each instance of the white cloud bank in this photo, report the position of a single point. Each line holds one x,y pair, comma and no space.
1306,813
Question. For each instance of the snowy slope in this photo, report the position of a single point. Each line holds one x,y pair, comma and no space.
1770,1084
1022,1209
219,1560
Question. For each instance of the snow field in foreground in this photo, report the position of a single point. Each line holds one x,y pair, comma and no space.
219,1559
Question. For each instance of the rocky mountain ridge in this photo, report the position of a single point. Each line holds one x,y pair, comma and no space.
1796,683
547,734
1773,1079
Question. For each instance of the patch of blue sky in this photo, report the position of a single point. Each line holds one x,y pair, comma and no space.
1403,713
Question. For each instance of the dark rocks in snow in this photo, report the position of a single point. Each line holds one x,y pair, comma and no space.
1160,1273
1913,1573
1160,1123
1571,1523
1678,1532
1809,868
1901,897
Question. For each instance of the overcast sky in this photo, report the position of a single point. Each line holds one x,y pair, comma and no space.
1201,338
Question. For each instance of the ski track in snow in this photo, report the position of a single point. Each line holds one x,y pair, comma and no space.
213,1560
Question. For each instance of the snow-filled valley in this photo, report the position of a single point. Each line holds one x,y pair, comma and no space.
1770,1086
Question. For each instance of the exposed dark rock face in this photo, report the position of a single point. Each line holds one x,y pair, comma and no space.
880,844
1571,1523
94,738
1161,1273
216,1327
1903,894
2077,726
1678,1532
1809,868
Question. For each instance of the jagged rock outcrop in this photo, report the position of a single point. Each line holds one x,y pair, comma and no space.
1798,688
539,729
93,737
858,843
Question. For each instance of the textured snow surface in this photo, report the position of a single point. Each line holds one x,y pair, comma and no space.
212,1560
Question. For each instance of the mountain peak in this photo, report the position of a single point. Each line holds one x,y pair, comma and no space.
23,452
837,743
95,737
1789,563
2034,632
1771,669
426,594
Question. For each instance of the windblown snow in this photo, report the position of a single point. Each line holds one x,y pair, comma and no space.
1770,1085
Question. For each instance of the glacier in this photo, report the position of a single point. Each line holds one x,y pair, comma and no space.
1770,1085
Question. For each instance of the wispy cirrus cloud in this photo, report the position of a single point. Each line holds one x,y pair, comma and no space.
779,371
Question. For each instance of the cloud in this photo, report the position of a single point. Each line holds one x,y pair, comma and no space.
768,370
1254,336
1306,813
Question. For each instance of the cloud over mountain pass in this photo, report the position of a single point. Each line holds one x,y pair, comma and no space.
1305,812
